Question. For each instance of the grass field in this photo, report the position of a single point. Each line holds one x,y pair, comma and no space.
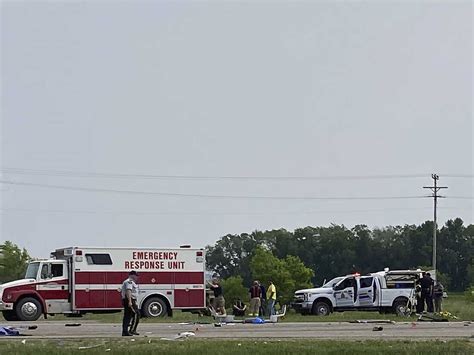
196,346
455,304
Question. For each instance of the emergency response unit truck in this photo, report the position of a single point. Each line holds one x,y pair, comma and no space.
88,280
384,291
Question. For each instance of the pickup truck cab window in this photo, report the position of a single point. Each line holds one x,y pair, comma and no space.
348,282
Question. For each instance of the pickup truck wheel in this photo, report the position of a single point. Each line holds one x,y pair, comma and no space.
401,308
321,309
9,316
28,309
154,307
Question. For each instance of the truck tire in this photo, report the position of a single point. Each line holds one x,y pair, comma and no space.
9,316
321,308
401,307
154,307
28,309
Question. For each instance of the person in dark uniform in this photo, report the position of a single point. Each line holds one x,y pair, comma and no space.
426,284
263,300
131,313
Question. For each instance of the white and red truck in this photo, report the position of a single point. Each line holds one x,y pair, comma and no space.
78,280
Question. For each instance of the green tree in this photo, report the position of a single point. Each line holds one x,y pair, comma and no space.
300,274
13,262
233,289
287,274
231,255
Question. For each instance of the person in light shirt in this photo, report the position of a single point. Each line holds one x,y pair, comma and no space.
271,298
130,307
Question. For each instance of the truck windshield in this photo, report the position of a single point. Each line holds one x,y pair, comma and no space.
32,271
332,283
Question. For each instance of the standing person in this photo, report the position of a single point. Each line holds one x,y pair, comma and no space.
419,303
263,300
438,291
426,284
255,293
272,296
219,301
130,307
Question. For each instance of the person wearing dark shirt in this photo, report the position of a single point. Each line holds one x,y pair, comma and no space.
255,293
219,301
239,308
426,284
263,300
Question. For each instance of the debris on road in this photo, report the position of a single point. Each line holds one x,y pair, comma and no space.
383,321
377,329
9,331
181,336
72,324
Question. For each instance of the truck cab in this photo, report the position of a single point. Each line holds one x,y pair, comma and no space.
381,291
44,289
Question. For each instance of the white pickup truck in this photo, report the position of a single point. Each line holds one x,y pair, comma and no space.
384,291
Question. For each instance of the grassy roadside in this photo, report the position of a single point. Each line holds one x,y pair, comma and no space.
455,304
197,346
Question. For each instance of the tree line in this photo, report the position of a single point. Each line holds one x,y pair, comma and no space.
337,250
310,255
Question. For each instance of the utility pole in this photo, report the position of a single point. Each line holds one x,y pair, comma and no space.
434,189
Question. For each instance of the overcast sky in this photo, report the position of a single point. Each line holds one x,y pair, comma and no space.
220,88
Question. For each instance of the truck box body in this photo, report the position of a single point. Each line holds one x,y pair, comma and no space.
84,279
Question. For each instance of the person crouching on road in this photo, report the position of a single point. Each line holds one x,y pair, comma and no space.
130,307
255,293
239,308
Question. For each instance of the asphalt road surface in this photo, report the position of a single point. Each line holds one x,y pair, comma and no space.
340,331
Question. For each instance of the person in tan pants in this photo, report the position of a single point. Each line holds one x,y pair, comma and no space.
255,293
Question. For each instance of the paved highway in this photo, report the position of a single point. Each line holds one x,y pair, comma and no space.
341,331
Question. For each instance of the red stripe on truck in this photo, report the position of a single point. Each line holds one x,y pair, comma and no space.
149,277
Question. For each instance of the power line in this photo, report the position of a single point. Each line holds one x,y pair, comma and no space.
171,194
20,171
209,213
461,176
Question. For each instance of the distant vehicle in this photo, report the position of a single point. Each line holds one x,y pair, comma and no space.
385,291
88,280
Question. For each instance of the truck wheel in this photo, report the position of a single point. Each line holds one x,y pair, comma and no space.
28,309
9,316
321,309
154,307
401,308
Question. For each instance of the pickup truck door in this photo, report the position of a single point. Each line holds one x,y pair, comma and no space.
345,292
367,295
370,294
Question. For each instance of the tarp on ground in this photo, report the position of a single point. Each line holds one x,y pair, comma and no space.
8,331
